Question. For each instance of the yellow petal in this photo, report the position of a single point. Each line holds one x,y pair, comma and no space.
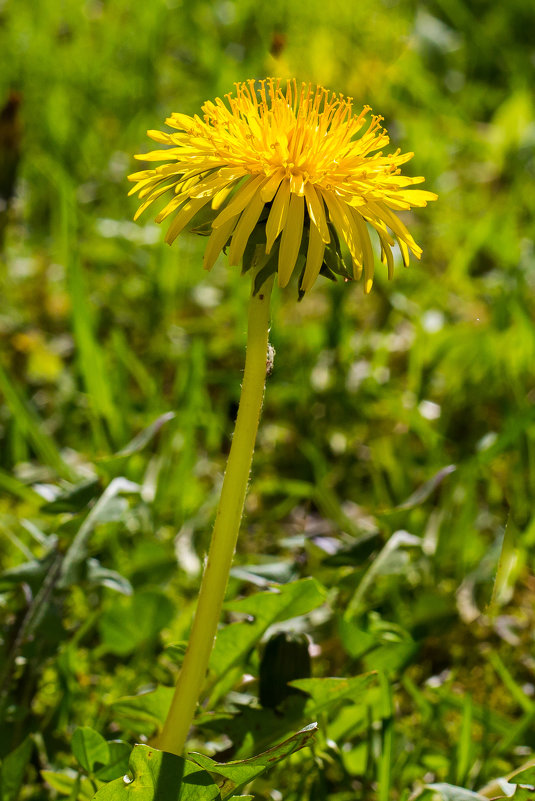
316,211
217,241
244,229
405,252
209,187
386,256
158,155
173,204
418,197
395,225
277,215
160,136
379,226
291,238
145,183
180,121
153,190
142,175
316,249
240,200
271,186
367,251
183,217
344,223
154,196
222,195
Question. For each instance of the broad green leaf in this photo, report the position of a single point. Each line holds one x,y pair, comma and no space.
391,657
525,775
118,762
448,792
158,776
89,748
283,602
134,620
75,792
254,730
147,708
286,601
524,793
13,769
65,781
519,793
231,776
356,641
326,692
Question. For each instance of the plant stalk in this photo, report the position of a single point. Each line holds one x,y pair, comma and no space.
225,534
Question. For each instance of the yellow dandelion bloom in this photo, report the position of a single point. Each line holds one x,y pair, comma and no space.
291,171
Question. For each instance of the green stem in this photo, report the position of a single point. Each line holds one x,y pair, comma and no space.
225,533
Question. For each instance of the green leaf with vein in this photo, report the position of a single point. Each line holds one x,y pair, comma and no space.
522,794
118,762
146,711
232,776
134,620
89,748
267,608
327,692
158,776
449,792
524,775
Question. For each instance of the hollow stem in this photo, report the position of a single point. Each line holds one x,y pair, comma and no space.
226,527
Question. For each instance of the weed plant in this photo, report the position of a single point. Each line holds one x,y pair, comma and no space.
389,520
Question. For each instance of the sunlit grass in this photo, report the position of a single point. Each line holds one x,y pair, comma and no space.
104,329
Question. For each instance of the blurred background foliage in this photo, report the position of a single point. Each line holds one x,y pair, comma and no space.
104,328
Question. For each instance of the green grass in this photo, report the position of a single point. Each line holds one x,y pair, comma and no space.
104,329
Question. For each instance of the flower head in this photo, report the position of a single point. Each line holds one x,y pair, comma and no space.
289,173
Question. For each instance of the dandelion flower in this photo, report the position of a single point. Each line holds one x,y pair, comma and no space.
287,173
